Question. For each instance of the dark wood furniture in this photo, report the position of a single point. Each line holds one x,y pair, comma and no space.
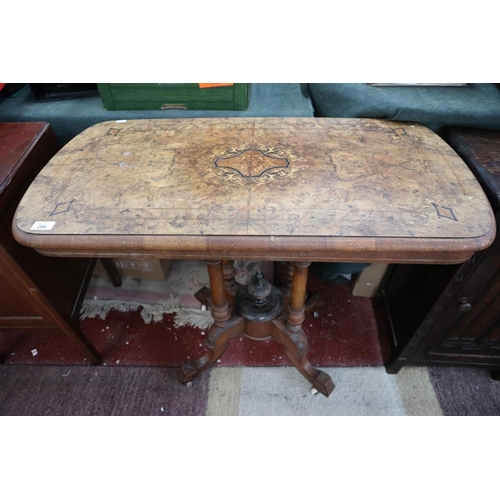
451,315
37,293
292,189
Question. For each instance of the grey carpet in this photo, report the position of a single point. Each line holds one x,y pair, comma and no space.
466,391
37,390
88,390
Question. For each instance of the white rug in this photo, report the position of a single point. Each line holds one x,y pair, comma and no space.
283,391
156,298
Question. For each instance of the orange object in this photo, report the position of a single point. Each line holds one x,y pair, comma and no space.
210,85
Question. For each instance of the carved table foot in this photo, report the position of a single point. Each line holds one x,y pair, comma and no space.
296,347
217,343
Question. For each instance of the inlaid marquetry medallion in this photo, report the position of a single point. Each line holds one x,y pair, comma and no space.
252,163
256,164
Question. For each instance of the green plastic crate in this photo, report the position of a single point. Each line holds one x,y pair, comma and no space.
141,96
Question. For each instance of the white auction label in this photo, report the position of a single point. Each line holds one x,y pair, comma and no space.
43,225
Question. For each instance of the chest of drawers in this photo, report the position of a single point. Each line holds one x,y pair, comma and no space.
451,314
37,294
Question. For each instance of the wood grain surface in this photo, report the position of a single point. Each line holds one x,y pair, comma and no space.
321,188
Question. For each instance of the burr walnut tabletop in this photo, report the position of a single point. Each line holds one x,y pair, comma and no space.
295,189
307,189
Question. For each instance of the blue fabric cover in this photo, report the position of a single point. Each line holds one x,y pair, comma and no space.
70,117
476,105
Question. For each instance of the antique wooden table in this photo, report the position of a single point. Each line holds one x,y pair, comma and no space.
288,189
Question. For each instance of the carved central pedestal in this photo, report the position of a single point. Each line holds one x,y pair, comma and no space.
259,301
260,312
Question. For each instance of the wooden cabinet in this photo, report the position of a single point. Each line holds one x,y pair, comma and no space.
451,314
37,293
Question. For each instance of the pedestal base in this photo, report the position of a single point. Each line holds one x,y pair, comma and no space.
286,328
295,345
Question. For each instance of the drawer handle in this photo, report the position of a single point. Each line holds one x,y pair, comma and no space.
465,305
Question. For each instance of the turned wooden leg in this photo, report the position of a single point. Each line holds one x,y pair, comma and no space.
204,295
290,334
225,328
220,305
313,303
296,305
229,272
289,276
286,288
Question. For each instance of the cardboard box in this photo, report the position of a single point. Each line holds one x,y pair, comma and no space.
367,282
140,96
144,268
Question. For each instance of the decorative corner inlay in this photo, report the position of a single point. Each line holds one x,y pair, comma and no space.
113,131
62,208
399,131
445,212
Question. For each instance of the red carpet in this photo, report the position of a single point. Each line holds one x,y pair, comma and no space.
346,333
